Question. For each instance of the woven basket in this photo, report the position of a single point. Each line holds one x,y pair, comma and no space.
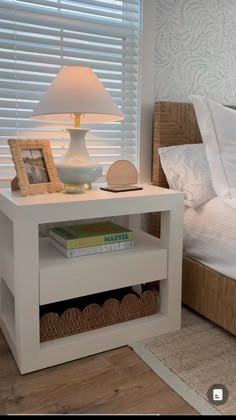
73,321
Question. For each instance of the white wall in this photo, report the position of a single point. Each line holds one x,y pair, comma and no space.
146,89
195,49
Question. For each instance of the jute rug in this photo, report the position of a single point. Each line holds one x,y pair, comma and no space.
193,359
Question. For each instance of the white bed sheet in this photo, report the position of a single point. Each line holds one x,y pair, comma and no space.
210,235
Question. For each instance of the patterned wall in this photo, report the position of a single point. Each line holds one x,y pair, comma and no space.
195,49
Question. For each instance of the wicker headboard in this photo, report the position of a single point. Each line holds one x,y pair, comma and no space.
175,123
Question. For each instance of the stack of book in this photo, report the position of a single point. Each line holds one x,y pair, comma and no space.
93,238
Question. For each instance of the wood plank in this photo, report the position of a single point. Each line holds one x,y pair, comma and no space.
115,382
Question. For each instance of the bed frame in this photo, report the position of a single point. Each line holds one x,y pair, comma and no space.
204,290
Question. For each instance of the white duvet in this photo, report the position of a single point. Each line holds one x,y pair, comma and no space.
210,235
230,202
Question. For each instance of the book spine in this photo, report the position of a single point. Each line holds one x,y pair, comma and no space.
91,250
92,241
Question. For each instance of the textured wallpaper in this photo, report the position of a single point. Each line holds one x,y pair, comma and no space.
195,49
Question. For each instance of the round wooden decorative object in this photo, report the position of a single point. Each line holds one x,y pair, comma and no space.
122,172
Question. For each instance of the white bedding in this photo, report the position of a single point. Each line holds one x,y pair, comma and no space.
210,235
231,202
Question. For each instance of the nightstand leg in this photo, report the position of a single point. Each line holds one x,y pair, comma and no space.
5,238
26,286
170,289
7,317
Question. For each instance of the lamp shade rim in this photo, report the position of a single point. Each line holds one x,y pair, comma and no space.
86,117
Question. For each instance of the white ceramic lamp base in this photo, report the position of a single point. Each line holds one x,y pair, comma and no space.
76,169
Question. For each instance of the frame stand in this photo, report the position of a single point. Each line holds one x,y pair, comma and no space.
14,184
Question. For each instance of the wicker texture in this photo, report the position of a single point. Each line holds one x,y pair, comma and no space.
210,293
174,124
204,290
73,321
54,184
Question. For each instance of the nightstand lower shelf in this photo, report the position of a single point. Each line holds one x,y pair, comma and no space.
96,341
64,349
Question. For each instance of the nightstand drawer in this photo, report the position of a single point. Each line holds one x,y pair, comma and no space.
63,278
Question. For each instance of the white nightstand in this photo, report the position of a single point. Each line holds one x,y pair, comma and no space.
33,273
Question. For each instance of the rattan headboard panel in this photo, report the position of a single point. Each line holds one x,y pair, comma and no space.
174,124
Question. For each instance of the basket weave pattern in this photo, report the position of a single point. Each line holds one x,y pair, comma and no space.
73,321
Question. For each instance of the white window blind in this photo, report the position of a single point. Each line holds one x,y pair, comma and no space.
37,38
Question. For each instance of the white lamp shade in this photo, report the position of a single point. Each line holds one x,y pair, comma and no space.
77,90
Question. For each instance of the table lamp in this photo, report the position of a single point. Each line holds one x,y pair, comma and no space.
77,96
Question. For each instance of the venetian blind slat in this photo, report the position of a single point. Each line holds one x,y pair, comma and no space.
38,38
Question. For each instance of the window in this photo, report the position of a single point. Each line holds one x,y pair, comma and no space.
37,38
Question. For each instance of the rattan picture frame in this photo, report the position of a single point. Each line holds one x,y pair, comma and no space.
35,168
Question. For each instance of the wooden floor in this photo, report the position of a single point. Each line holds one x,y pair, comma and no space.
116,382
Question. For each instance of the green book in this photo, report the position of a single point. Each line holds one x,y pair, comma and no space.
77,236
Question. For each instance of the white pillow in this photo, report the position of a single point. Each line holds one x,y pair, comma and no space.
186,170
217,125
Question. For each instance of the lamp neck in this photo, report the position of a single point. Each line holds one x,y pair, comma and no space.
77,120
77,145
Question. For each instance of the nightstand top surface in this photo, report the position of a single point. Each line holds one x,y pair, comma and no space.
94,194
94,203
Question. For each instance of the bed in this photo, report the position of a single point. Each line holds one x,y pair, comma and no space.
205,290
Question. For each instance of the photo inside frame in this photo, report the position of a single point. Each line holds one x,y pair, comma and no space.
35,166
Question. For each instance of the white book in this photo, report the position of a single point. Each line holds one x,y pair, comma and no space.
91,250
